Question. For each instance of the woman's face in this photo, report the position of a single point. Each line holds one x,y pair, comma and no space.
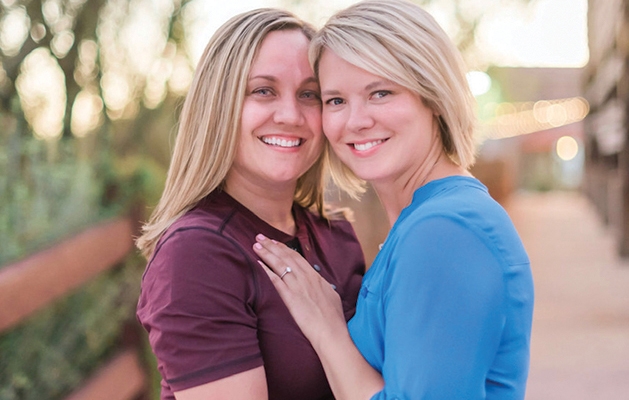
380,130
280,135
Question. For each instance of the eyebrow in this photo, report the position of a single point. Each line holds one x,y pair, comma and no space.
375,84
274,79
369,87
265,77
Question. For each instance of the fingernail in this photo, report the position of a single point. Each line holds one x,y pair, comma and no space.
257,246
260,237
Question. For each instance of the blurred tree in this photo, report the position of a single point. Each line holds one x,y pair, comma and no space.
119,59
87,93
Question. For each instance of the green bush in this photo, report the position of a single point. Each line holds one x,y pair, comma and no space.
56,349
44,197
49,191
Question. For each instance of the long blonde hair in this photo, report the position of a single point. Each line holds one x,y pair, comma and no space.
209,124
401,42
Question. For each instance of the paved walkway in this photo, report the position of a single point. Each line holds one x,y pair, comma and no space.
580,342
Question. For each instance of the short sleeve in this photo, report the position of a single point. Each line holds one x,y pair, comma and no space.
197,304
444,308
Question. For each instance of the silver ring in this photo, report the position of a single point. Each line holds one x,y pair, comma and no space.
286,271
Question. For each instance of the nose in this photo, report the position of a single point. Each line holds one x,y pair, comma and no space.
359,117
289,112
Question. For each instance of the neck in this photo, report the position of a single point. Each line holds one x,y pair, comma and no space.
398,194
273,205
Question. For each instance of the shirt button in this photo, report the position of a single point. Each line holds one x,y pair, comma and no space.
333,286
363,291
317,267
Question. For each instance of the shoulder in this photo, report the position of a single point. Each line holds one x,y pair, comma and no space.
194,247
466,209
197,231
195,267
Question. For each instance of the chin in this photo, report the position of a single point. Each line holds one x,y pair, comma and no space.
366,174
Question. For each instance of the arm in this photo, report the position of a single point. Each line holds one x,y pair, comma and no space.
248,385
317,310
196,306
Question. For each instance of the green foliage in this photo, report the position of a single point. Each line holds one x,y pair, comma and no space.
154,377
49,191
42,199
55,350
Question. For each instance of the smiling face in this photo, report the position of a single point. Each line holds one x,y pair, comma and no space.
380,130
280,136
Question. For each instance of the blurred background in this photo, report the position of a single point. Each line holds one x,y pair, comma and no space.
90,91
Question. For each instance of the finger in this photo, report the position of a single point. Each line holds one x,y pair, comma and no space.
275,279
276,263
275,247
289,257
276,254
279,284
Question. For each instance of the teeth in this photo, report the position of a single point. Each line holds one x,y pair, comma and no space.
366,146
273,141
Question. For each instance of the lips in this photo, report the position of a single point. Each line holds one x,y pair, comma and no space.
281,141
367,145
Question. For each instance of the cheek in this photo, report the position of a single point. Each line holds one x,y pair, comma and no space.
313,116
251,115
332,126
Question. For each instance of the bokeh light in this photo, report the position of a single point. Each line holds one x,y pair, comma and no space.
41,86
62,43
567,148
14,28
86,113
514,119
479,82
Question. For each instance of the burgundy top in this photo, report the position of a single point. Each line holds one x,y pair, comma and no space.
211,311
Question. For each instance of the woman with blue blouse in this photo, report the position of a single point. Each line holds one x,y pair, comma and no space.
445,310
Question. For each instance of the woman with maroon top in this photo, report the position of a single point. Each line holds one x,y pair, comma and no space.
248,158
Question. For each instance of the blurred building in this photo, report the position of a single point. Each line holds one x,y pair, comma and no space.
606,88
539,109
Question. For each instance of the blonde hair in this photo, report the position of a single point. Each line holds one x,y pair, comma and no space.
209,124
401,42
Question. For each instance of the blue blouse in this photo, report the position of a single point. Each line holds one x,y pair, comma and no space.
445,311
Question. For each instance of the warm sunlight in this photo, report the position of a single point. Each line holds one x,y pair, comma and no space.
546,33
550,33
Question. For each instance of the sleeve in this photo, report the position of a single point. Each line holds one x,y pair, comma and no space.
197,304
444,309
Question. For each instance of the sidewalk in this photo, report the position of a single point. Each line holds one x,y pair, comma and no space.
580,341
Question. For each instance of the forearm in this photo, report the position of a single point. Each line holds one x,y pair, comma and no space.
349,374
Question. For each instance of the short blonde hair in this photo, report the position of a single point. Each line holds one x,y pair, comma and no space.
209,124
401,42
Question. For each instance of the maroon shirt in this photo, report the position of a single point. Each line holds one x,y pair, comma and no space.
211,311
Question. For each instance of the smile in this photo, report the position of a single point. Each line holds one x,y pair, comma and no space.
281,142
368,145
